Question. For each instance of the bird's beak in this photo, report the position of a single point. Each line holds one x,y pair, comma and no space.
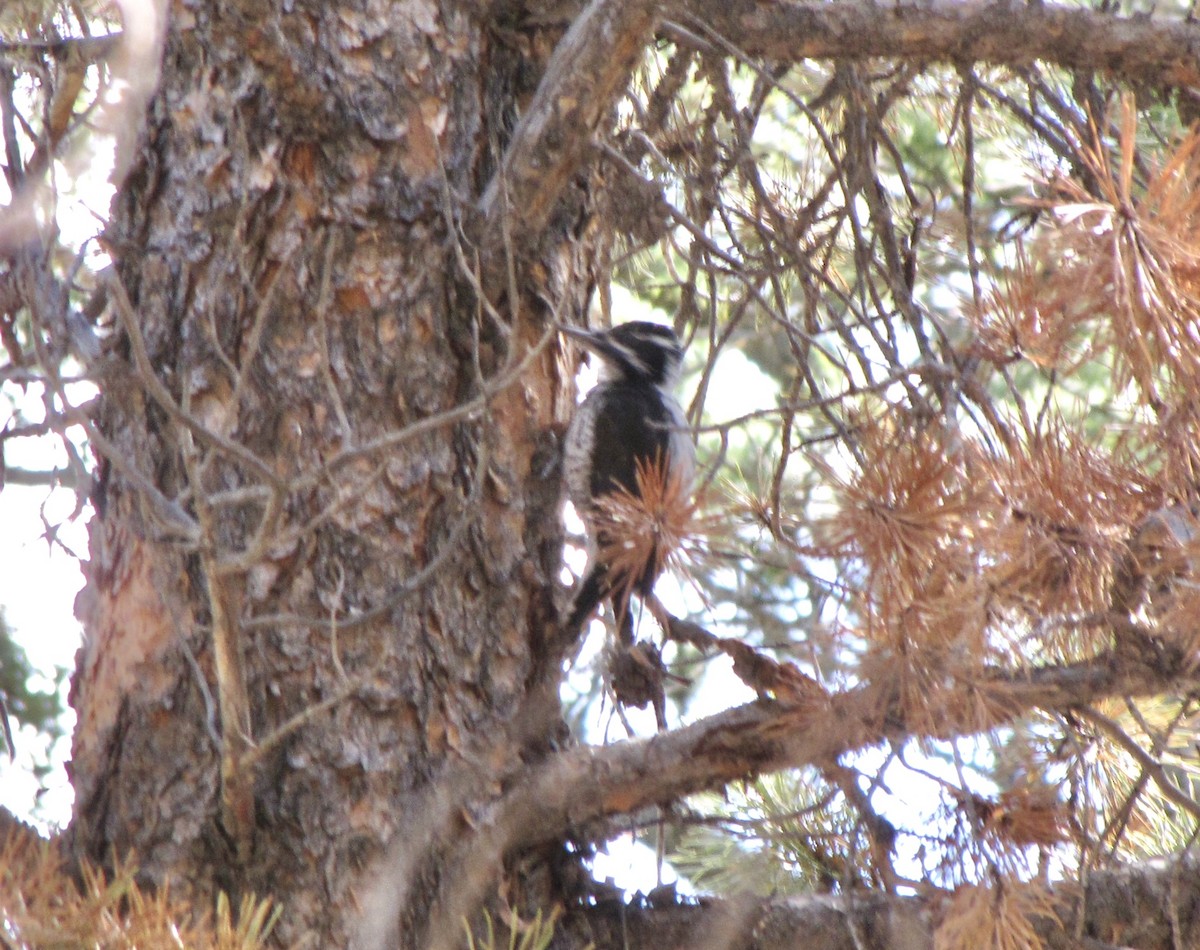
594,341
583,336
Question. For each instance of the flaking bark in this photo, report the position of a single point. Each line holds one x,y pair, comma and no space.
360,453
361,406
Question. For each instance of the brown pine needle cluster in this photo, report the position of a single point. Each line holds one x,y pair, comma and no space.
993,836
1121,267
906,520
646,531
1027,317
1067,508
909,514
1001,915
41,905
1174,440
906,512
1023,817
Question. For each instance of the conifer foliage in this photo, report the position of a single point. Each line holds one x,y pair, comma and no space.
938,269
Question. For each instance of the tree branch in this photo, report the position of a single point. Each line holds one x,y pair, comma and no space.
89,48
585,785
50,477
1130,906
594,60
588,783
1155,50
1150,765
586,74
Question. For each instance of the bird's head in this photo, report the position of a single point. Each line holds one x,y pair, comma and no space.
639,351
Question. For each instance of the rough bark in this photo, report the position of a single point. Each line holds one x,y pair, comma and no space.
327,531
1153,906
1159,52
573,793
590,68
320,609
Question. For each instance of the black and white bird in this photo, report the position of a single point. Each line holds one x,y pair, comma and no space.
630,418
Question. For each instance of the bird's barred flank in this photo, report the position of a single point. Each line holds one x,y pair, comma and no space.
629,427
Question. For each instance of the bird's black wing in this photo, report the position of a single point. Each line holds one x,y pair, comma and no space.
632,423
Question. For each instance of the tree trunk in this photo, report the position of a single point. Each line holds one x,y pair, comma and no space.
322,651
327,535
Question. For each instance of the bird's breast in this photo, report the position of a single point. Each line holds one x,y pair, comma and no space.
617,426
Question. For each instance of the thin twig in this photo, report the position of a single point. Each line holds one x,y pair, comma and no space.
1149,764
161,395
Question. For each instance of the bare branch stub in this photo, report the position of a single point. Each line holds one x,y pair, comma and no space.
589,68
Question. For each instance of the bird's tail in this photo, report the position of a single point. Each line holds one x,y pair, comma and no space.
597,584
591,590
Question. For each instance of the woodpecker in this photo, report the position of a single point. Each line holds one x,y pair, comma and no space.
631,417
